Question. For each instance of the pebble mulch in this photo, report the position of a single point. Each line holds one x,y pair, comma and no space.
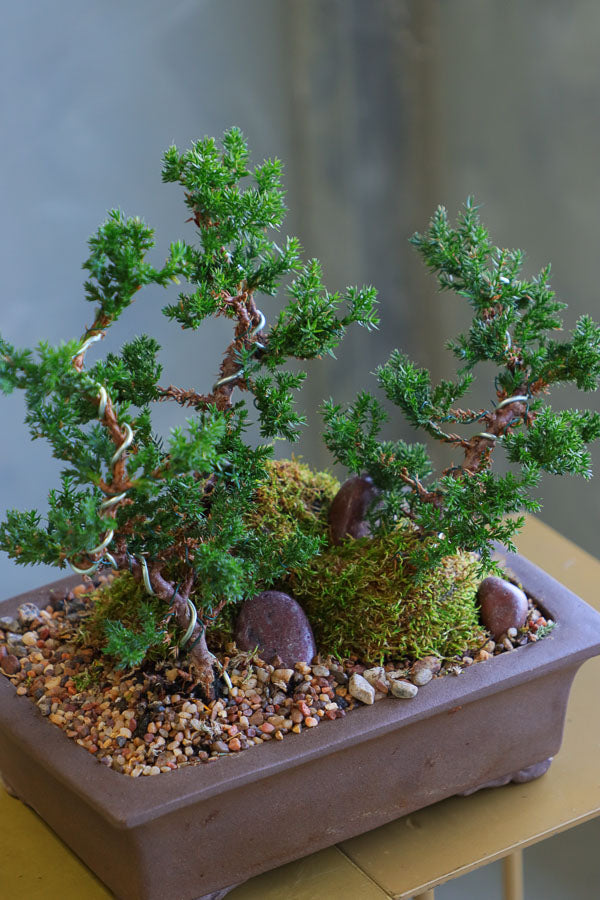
145,722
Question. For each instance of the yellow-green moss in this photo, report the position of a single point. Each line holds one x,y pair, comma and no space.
360,600
359,597
293,496
122,600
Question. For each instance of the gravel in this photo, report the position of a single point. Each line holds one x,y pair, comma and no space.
146,722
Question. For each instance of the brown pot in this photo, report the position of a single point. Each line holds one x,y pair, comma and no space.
200,829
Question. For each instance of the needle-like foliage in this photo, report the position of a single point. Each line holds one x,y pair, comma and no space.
514,326
176,513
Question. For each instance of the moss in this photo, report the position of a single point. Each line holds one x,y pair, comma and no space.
124,600
360,596
293,496
361,601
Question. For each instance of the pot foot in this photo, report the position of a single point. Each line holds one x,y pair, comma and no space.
530,773
8,787
218,895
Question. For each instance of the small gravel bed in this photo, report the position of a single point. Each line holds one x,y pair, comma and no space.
152,720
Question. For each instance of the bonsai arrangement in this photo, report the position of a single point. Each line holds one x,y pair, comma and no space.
388,566
224,599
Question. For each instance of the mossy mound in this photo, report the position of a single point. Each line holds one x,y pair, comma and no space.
126,601
293,496
361,601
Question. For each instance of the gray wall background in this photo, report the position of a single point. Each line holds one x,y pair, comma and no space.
379,109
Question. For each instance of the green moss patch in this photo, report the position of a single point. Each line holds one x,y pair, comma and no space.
293,496
123,612
361,601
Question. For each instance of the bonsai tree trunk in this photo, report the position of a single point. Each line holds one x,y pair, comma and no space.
201,659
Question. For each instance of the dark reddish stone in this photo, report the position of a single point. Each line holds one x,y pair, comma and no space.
349,508
276,624
503,605
10,664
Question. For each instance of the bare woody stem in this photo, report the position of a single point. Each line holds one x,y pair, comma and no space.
433,497
119,482
200,656
498,422
248,317
478,450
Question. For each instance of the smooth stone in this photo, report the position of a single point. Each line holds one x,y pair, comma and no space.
503,605
10,664
28,613
377,673
282,675
277,721
276,624
44,705
14,644
320,671
424,669
403,689
361,690
349,508
9,623
219,747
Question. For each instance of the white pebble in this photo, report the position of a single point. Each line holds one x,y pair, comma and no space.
404,689
282,676
320,671
361,690
375,674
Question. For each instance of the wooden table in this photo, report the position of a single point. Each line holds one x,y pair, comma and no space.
396,860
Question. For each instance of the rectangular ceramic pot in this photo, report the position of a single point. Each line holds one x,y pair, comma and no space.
200,829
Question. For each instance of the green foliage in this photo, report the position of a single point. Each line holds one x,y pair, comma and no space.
232,222
128,647
475,511
90,676
466,507
544,630
126,623
131,376
183,508
233,207
512,318
206,515
275,404
73,521
310,326
117,263
352,435
556,442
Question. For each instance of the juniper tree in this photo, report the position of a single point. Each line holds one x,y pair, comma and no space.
514,321
175,513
